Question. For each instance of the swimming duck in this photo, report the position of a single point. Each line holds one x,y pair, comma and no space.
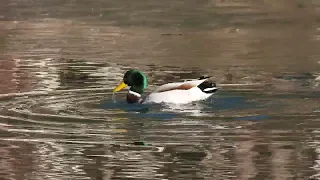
176,92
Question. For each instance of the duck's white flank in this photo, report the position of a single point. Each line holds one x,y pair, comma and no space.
168,94
177,96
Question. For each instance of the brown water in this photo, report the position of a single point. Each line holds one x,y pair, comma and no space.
61,58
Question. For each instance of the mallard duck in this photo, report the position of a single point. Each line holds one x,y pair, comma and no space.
176,92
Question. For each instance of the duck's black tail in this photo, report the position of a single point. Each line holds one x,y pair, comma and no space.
208,87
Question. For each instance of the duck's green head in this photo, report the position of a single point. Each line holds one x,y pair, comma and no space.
135,79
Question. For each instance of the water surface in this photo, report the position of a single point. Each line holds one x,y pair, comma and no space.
61,59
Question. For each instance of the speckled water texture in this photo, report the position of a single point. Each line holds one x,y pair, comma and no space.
62,58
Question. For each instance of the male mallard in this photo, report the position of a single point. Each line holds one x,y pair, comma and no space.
177,93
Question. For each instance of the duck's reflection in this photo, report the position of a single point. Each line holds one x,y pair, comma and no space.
190,109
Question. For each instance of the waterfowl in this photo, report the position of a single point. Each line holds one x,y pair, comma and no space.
176,92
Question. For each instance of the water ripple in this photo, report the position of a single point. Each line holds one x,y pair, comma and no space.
59,119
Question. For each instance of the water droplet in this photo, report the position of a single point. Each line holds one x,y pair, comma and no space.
114,98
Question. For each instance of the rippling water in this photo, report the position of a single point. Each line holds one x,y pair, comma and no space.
61,60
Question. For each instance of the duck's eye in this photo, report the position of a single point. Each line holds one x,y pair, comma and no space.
138,79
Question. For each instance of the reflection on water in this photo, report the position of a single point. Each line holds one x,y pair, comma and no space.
59,119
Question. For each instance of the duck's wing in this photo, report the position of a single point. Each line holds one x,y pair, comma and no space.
178,86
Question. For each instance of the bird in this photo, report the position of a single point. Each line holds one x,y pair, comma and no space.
174,92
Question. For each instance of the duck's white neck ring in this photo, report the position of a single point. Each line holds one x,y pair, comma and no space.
135,93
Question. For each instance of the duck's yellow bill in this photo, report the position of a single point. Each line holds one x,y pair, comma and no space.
120,86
